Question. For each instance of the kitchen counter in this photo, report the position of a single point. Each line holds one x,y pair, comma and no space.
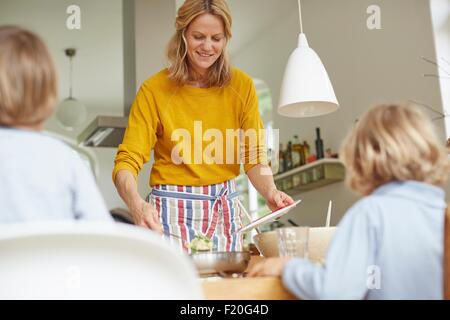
260,288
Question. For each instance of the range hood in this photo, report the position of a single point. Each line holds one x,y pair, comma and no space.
104,131
108,131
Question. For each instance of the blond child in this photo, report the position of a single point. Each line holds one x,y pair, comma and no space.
389,245
40,178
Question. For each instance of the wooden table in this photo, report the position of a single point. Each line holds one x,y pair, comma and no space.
261,288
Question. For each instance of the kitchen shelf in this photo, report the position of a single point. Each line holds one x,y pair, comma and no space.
311,176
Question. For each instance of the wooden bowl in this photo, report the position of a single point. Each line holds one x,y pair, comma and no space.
267,243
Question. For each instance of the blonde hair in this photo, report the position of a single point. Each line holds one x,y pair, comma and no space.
393,143
28,80
179,71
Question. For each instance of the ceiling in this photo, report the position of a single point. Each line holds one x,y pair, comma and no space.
251,18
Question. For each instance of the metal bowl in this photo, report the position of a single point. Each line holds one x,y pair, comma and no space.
220,262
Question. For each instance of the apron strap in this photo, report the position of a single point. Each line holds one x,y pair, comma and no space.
219,201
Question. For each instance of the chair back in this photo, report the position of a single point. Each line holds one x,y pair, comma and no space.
80,260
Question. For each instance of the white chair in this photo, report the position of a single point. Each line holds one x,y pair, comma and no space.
81,260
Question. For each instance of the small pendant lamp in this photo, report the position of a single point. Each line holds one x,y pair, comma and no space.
71,113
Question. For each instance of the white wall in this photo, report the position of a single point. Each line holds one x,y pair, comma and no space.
365,67
98,65
155,25
98,75
155,21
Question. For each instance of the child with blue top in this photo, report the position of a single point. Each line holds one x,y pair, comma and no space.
389,245
41,178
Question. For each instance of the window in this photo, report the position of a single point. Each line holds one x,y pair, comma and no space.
440,16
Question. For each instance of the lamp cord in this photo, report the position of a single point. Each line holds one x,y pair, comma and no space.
300,16
70,79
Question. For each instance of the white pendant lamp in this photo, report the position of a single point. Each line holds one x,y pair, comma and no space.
306,90
71,113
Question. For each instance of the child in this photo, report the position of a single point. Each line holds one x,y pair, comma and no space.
40,177
389,245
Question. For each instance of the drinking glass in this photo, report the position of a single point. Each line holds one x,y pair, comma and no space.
293,242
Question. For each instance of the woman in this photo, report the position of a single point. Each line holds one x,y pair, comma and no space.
187,114
389,245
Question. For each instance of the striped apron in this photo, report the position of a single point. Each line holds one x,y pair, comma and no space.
187,211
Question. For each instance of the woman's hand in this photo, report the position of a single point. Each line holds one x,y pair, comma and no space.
142,212
277,199
145,215
270,267
262,179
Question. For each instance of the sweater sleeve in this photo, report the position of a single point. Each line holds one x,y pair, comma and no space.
350,260
140,135
253,140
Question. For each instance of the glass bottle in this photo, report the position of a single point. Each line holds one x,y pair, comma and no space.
298,157
306,151
288,156
319,145
281,160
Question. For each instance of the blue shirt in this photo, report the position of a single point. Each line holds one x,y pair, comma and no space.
41,178
389,245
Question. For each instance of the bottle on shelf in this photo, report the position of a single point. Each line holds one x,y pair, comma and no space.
306,151
288,156
281,160
319,145
298,157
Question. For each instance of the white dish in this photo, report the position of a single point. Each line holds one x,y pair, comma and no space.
268,217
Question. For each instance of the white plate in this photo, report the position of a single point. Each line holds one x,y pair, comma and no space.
269,217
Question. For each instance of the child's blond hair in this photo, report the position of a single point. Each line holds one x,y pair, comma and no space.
393,143
28,81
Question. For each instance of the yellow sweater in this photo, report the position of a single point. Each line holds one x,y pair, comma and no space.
194,131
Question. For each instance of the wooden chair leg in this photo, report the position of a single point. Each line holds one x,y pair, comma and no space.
447,255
